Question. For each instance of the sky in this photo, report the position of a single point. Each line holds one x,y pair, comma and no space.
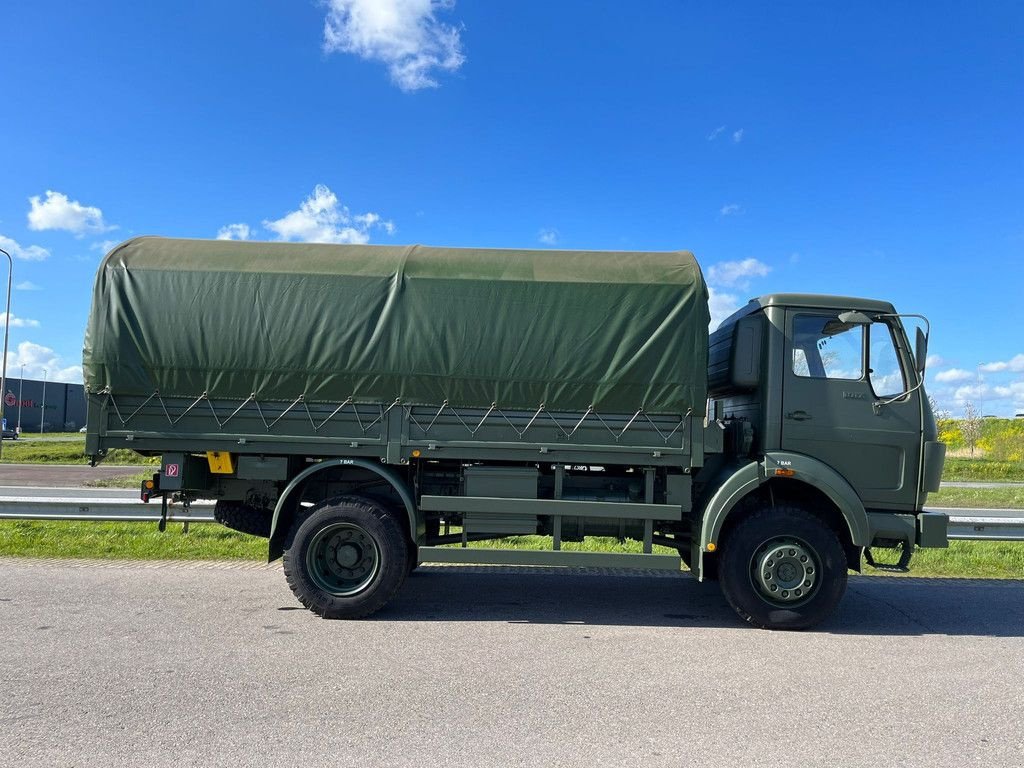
867,149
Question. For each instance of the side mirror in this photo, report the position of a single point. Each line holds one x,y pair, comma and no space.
854,318
921,351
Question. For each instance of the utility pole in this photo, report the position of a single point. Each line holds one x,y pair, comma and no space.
21,385
7,329
42,408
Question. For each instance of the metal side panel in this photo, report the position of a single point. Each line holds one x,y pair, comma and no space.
492,505
547,557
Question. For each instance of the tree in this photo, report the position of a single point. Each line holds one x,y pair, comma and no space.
939,413
970,426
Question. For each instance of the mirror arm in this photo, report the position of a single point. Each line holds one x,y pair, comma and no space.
877,405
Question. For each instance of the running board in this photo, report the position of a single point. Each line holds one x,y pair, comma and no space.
547,557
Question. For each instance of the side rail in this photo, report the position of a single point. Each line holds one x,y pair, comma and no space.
390,431
201,423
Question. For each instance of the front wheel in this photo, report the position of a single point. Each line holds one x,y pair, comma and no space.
347,558
782,568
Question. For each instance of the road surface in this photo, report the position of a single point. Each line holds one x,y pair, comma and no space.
64,475
124,664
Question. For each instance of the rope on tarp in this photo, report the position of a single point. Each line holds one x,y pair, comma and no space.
466,417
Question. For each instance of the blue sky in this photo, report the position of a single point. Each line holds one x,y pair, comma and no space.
871,149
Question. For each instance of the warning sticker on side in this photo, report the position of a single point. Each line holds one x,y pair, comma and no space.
172,470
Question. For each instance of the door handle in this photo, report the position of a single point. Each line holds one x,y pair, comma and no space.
798,415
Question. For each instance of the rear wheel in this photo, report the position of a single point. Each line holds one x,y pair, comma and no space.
782,568
347,558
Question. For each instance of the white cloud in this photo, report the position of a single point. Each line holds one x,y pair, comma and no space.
18,322
36,358
548,236
27,285
716,133
58,212
721,305
234,232
934,361
737,136
104,246
730,209
1014,391
25,253
1015,364
737,273
970,392
405,35
321,218
954,375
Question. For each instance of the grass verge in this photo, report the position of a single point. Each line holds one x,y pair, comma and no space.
132,541
65,452
963,469
142,541
126,481
991,498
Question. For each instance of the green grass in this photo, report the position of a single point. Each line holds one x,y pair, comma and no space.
590,544
133,541
126,481
142,541
973,559
64,452
993,498
982,470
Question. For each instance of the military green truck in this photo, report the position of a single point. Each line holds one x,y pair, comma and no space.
371,408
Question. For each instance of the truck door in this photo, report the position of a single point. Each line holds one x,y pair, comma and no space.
834,374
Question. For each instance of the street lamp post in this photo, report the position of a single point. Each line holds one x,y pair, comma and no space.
7,329
42,408
21,386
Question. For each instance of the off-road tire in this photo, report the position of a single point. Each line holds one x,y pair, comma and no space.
757,533
385,541
243,518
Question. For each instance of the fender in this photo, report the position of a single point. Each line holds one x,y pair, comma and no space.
806,469
392,477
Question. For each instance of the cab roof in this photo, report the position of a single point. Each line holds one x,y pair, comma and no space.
810,301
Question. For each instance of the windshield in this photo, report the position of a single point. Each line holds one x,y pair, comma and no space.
884,373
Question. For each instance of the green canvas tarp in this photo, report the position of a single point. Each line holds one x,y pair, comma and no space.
617,331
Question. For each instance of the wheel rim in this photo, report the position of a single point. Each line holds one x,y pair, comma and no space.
343,559
785,571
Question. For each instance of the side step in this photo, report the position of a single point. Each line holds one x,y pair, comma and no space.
558,559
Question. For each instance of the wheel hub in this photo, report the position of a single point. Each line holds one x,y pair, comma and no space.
343,559
785,571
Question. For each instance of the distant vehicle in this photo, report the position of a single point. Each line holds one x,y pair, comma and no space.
1019,416
10,434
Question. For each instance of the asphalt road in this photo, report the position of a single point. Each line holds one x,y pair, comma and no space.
122,664
63,475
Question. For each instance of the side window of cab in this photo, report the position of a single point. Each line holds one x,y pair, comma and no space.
824,348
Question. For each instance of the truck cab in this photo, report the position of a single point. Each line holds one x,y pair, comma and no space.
833,379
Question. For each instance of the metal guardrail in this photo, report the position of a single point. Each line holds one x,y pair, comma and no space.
123,510
986,529
967,528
